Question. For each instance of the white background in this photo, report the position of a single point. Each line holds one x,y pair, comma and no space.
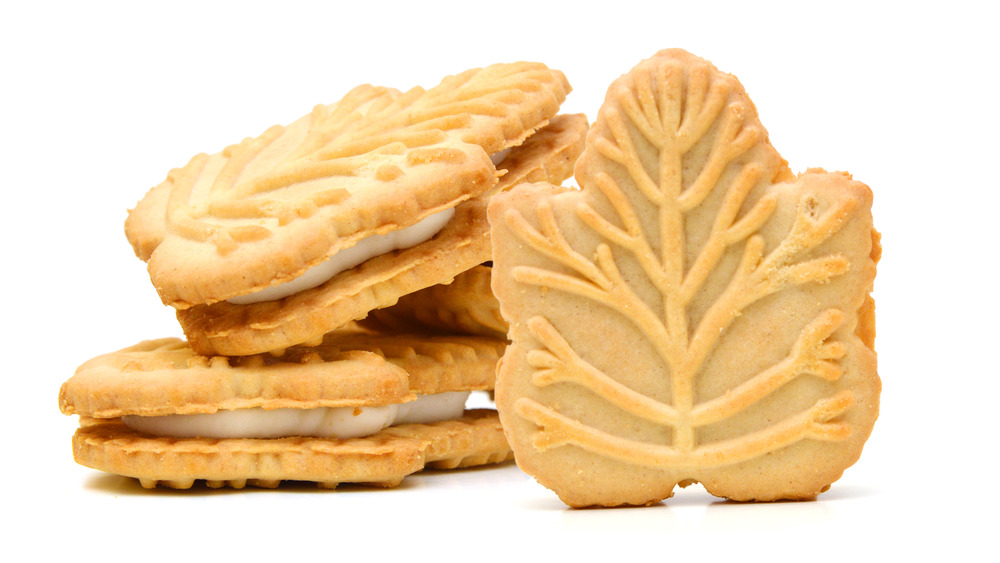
100,100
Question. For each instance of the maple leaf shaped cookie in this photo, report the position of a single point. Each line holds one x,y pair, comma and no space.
695,313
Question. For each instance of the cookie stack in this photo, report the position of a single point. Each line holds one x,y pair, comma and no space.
694,312
276,249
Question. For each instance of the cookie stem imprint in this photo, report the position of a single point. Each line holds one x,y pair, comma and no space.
679,232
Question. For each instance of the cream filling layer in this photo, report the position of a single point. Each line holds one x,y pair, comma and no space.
365,249
322,422
498,157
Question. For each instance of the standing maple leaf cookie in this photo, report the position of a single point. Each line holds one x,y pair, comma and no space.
695,313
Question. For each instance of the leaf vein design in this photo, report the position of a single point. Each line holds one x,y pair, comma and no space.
560,363
601,281
733,141
373,135
623,152
560,430
669,110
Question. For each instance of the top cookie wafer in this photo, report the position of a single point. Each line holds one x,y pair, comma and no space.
348,369
263,211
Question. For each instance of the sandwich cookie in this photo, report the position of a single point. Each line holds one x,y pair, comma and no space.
359,408
383,189
694,313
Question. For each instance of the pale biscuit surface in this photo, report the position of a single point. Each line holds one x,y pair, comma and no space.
694,313
263,211
228,329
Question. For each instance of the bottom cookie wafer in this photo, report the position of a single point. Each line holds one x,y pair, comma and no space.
383,459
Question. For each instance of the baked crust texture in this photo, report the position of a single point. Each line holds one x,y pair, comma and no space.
383,459
695,313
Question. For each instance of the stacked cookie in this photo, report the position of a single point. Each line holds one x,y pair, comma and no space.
274,248
695,312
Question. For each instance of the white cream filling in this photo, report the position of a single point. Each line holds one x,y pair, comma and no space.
323,422
364,249
498,157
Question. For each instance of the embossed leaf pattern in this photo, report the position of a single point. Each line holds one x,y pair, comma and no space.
238,191
678,232
372,132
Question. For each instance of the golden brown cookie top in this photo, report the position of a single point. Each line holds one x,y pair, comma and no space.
165,376
694,313
262,211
